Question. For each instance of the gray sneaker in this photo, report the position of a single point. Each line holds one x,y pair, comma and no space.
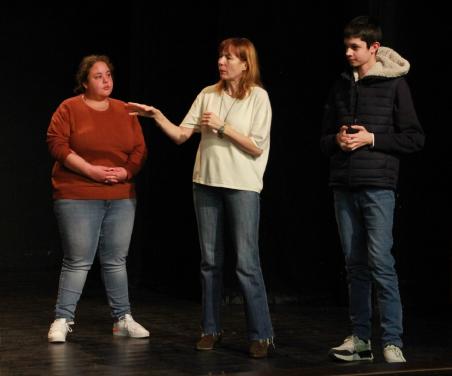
353,349
393,354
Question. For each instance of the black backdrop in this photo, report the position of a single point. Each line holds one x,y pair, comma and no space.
164,55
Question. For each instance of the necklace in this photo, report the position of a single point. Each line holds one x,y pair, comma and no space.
228,111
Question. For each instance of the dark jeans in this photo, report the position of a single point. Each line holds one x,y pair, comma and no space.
212,205
365,221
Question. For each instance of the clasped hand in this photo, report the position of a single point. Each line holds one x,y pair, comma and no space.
108,175
353,141
210,120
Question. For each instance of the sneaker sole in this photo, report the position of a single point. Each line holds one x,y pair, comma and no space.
122,334
56,340
351,357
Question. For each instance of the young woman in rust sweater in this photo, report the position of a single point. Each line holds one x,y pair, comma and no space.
98,148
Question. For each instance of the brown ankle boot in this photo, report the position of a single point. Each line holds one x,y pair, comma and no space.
261,348
208,342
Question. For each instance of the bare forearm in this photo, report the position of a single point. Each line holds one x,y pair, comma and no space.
176,133
242,142
77,164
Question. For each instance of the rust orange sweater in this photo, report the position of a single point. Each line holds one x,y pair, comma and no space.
110,138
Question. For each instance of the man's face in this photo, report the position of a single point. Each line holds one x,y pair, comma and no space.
357,53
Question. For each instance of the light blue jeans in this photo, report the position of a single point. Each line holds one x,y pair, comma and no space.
241,208
365,221
85,227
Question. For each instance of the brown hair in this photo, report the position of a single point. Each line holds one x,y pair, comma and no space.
364,27
246,52
85,66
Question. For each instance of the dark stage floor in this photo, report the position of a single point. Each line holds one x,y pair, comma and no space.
304,333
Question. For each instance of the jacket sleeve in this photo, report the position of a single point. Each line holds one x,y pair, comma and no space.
408,136
328,143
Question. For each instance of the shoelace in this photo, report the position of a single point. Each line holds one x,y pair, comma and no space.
67,324
394,349
130,323
126,319
348,339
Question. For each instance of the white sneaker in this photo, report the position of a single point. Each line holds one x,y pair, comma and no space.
393,354
351,350
59,329
126,326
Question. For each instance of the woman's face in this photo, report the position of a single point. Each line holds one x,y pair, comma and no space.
230,66
99,83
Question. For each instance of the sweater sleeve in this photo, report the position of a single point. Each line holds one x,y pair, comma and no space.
58,134
139,153
408,136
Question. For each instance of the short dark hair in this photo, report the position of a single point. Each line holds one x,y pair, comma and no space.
83,70
365,27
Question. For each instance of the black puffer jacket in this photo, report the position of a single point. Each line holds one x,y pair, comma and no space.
381,102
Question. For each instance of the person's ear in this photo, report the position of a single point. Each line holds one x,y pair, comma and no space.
374,47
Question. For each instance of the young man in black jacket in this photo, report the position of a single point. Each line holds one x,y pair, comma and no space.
369,122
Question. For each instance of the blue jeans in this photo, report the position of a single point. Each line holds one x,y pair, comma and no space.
241,208
365,221
85,227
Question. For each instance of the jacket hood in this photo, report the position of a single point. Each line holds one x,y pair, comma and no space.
389,64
